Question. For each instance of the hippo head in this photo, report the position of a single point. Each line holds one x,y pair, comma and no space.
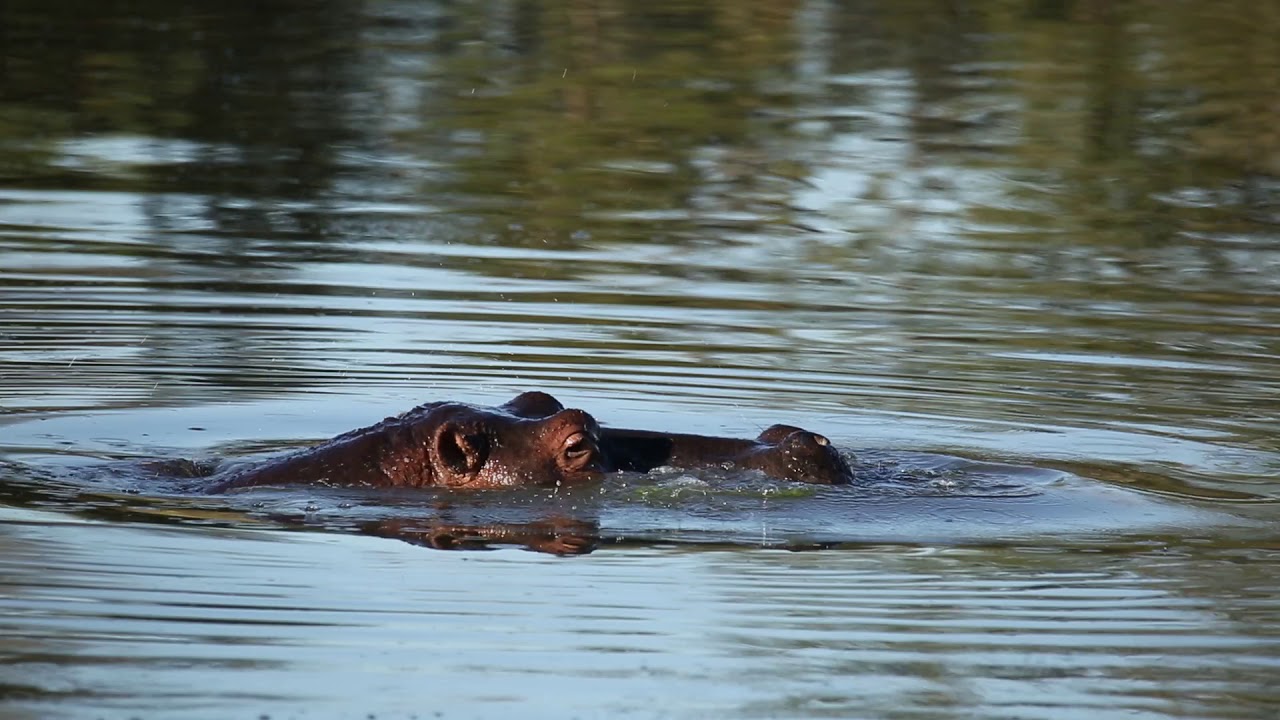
792,453
534,441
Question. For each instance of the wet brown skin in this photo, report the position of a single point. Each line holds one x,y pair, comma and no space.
443,444
781,451
530,441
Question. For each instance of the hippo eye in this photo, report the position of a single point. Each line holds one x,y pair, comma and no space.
578,445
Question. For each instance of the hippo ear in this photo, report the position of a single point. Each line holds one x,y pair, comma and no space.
460,451
803,439
533,404
777,433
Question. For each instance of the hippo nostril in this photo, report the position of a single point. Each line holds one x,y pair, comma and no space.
578,446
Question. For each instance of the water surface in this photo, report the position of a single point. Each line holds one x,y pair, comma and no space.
1039,235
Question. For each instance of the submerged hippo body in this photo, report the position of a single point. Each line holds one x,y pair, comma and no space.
443,444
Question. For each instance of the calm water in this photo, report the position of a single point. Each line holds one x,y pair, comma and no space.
1043,237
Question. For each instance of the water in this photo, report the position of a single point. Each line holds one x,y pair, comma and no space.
1040,237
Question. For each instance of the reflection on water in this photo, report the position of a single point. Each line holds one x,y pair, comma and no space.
1044,233
1027,632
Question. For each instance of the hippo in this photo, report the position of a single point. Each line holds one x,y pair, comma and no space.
443,444
532,440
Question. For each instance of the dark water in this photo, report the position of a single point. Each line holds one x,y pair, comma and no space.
1043,237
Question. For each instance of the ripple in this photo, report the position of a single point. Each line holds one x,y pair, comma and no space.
238,231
